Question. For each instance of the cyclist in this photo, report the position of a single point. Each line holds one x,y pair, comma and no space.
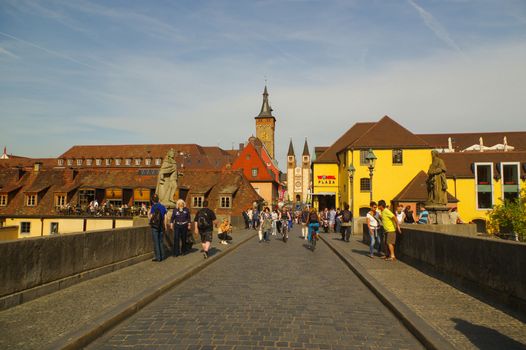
313,223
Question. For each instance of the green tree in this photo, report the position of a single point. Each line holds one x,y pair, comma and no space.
509,217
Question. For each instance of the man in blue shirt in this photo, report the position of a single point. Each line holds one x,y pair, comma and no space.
156,217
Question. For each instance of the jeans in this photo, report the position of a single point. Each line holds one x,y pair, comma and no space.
180,233
338,225
374,238
313,227
157,235
346,232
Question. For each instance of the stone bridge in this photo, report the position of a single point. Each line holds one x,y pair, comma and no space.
100,290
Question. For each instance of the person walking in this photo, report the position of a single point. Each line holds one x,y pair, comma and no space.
346,225
304,218
205,220
313,223
332,219
255,218
180,224
246,219
275,218
250,214
372,225
156,218
266,225
391,226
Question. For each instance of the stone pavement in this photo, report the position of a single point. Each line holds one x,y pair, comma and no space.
85,306
467,322
266,296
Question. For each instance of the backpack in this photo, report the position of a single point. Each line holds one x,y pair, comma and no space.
203,220
156,220
313,217
347,216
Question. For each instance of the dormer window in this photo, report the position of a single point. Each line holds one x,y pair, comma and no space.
117,161
108,161
89,162
3,200
70,162
31,200
138,161
98,161
79,162
148,161
60,162
127,161
158,161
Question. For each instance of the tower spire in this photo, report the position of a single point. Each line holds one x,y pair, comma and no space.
291,149
306,148
266,111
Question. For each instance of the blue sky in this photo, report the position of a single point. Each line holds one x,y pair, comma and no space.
123,72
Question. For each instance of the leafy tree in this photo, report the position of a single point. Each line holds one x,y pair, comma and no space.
509,217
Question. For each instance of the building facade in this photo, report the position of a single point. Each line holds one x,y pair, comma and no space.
478,176
46,196
299,177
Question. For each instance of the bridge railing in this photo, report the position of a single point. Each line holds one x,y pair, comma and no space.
33,267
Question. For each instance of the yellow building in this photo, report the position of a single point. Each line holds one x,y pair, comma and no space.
477,177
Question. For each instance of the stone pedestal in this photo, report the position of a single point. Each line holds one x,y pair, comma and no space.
438,214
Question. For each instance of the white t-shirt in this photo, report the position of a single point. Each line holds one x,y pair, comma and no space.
373,222
400,217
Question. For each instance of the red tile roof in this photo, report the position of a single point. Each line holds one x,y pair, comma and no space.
351,135
416,191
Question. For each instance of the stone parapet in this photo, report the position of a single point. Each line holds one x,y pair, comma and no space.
494,264
36,266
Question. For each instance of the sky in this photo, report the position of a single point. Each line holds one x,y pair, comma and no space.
172,71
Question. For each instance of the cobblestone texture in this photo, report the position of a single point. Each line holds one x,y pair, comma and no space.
266,296
465,321
38,323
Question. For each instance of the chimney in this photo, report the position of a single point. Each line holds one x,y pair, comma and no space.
241,146
481,144
37,167
450,144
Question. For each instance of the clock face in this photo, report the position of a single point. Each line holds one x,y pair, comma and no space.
298,184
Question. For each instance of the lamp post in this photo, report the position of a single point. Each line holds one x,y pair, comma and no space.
371,159
351,171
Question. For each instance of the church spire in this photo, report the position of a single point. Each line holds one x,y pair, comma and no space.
306,149
291,149
266,111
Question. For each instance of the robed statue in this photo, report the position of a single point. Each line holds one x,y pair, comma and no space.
167,180
436,181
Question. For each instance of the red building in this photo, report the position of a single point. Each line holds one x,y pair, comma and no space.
260,170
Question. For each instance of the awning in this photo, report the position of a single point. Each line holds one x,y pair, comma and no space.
324,194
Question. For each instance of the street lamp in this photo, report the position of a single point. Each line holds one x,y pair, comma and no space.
351,171
371,158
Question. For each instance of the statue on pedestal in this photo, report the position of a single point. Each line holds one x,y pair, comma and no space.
167,180
436,182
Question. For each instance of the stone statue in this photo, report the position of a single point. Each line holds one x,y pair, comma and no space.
167,180
436,181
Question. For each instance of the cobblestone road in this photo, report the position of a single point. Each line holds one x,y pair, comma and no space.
266,296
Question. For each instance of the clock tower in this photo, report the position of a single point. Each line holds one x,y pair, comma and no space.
266,124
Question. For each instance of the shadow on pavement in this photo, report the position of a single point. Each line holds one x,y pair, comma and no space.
486,338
